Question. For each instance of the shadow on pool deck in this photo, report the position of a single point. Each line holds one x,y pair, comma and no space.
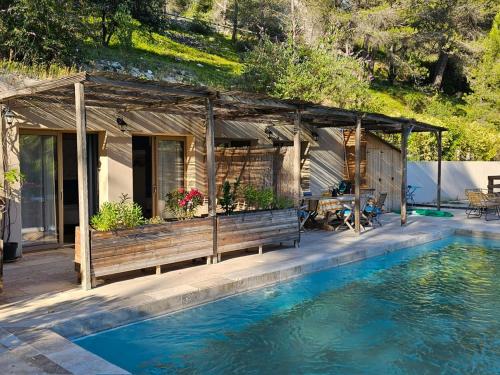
41,289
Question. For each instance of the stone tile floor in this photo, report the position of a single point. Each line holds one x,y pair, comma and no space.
41,289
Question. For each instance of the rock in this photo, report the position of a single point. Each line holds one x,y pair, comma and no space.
135,72
116,66
200,65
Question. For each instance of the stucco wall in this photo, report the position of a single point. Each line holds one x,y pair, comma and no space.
456,177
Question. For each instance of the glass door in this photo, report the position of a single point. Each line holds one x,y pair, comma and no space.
169,171
38,164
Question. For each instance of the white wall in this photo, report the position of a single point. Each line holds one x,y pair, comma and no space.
456,177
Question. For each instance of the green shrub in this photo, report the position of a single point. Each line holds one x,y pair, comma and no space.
228,200
417,102
261,199
118,215
281,202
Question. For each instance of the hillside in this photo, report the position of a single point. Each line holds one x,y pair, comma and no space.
201,56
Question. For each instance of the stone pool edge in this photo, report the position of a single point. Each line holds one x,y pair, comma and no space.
240,282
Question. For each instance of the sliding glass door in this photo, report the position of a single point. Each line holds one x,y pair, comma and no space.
169,170
38,164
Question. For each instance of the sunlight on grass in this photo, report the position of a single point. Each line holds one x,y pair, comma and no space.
36,71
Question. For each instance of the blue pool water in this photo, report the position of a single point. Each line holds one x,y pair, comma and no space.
425,310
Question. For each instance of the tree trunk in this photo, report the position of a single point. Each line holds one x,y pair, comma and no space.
392,65
104,29
440,68
235,21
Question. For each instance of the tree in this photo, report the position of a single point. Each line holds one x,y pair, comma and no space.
315,74
36,32
484,101
445,27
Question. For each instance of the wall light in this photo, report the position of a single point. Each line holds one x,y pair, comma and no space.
268,130
8,115
121,124
315,136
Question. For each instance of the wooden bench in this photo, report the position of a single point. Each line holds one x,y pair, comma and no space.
256,229
148,246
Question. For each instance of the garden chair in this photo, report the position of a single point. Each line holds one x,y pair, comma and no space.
308,212
481,204
373,209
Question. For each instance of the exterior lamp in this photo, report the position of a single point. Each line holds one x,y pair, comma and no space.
269,132
315,136
9,116
121,124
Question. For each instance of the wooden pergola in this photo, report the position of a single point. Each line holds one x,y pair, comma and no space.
128,94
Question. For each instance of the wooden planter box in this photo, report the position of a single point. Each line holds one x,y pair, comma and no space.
256,229
148,246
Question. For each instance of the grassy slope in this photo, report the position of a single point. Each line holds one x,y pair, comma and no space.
209,60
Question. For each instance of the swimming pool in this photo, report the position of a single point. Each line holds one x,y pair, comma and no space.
429,309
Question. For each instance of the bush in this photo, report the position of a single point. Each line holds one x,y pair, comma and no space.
118,215
228,200
417,102
282,202
182,204
264,199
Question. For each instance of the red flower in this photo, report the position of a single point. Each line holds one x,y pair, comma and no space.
181,190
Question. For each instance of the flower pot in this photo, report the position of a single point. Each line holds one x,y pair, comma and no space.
10,251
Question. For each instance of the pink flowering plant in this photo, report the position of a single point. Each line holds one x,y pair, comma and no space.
183,203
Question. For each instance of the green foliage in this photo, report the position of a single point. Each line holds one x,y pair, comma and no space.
155,220
40,32
281,202
118,215
228,199
12,176
484,102
260,199
313,74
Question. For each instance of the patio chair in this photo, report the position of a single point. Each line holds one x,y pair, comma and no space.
308,212
374,208
481,204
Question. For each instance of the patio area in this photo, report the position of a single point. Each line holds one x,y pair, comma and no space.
47,294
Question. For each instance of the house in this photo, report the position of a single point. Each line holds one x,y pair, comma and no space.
144,139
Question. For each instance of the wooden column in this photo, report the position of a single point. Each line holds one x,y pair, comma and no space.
357,178
83,188
297,160
211,170
439,156
404,171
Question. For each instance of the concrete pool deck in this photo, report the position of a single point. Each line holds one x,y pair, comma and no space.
74,313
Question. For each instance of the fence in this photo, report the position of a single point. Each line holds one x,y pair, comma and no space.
456,177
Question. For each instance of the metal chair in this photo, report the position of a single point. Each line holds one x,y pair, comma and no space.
481,204
373,209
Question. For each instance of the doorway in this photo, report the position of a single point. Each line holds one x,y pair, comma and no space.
158,168
70,215
49,194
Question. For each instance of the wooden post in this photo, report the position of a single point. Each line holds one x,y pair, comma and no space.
297,159
212,199
439,155
83,203
404,171
357,178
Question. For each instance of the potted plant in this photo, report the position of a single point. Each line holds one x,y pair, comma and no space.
11,177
